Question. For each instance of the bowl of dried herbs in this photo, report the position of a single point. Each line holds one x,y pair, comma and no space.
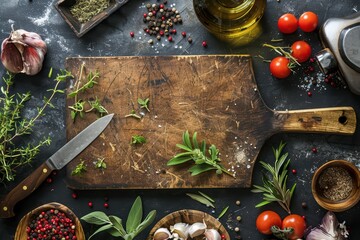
336,185
83,15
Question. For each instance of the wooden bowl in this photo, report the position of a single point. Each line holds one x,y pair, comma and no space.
190,217
21,234
340,205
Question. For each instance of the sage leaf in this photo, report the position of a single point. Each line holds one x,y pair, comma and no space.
101,229
207,197
97,217
147,221
223,212
135,215
117,223
201,199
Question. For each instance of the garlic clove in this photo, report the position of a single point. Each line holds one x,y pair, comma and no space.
197,229
11,57
181,229
212,234
162,234
32,61
23,52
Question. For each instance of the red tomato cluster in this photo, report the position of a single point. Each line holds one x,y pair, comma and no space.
280,67
307,22
269,222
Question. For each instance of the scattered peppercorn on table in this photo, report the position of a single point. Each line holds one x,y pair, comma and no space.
133,31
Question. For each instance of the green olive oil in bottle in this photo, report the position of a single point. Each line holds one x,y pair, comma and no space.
233,21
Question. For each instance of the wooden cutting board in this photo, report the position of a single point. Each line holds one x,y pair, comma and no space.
215,96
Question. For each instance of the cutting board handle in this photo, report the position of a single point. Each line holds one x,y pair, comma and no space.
326,120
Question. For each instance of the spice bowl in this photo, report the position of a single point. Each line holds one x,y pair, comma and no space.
336,185
46,212
189,216
80,28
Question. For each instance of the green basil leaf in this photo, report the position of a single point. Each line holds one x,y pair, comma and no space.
201,199
101,229
117,224
194,140
97,217
178,160
135,215
197,169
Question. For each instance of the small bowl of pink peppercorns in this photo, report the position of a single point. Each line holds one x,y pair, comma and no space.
50,221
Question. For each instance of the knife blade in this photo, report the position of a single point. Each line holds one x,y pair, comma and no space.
57,161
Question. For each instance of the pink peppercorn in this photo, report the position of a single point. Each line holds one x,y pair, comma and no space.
314,150
204,44
309,94
132,34
106,205
293,171
90,204
170,38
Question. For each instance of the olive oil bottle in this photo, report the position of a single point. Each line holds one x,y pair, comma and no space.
233,21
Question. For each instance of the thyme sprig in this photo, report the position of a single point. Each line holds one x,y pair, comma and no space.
274,187
80,106
14,126
204,159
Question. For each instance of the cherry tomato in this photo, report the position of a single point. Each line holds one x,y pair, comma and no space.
266,220
287,23
301,50
308,21
279,67
297,223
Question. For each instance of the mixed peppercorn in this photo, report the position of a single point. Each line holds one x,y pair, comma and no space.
51,225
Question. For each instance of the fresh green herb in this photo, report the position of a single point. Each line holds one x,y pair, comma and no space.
133,114
84,10
100,163
284,52
207,197
197,152
144,103
223,212
96,106
79,169
50,73
137,139
14,126
201,199
274,188
113,224
79,108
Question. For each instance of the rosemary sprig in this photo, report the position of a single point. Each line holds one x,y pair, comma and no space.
14,126
197,152
274,188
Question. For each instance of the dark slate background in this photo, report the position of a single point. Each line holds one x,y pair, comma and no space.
111,38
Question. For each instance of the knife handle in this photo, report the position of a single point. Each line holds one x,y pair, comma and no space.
23,189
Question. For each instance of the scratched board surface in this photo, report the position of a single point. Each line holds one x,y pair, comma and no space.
185,93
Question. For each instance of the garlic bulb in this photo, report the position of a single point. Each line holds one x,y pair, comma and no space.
23,52
181,229
212,234
197,229
162,234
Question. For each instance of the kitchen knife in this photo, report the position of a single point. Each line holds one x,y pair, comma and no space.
57,161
